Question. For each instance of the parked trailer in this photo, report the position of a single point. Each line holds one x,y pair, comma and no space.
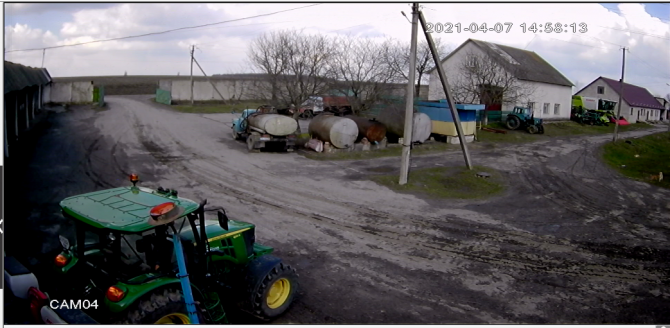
261,129
371,129
339,131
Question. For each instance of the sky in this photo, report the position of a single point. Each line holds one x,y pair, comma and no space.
643,28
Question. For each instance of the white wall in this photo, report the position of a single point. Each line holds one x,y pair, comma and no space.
543,92
547,93
46,93
628,112
203,90
451,69
70,92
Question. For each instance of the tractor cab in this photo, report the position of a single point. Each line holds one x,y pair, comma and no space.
122,251
524,118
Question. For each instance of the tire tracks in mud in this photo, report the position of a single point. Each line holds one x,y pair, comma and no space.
407,240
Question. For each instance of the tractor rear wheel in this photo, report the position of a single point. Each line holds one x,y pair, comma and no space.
164,306
275,293
513,122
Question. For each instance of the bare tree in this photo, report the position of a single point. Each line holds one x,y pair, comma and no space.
295,64
267,55
361,71
488,80
398,58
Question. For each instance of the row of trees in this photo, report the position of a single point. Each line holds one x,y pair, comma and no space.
300,65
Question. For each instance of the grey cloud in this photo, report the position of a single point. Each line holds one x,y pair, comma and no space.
39,8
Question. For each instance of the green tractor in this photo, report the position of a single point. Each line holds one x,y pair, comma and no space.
522,118
123,260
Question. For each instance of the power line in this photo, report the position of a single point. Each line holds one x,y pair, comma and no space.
629,31
167,31
644,61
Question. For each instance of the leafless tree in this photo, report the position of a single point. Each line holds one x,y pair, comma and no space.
398,58
267,55
295,64
489,80
361,70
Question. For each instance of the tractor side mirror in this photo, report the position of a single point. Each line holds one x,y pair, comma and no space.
223,219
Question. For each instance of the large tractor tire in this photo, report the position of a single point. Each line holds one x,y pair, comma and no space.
275,293
163,306
513,122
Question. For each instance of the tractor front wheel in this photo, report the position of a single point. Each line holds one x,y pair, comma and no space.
275,293
513,122
166,306
532,129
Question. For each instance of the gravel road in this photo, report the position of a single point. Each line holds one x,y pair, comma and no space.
571,241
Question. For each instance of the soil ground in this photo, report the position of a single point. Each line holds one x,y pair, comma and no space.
570,241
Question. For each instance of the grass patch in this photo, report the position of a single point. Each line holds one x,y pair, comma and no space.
653,153
391,151
216,108
447,182
574,128
559,129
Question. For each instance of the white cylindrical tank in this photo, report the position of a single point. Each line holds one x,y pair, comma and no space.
339,131
421,128
274,124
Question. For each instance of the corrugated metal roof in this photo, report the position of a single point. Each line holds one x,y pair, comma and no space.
18,76
634,95
526,65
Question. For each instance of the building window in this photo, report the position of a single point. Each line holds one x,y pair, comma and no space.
471,61
631,111
531,105
557,109
545,110
601,90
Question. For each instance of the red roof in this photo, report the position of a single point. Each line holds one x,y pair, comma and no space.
634,95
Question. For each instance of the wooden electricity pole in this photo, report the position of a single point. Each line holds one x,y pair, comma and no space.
409,101
192,59
445,87
618,115
210,81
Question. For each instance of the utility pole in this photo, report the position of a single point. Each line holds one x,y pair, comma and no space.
192,59
445,87
43,53
210,81
409,101
618,115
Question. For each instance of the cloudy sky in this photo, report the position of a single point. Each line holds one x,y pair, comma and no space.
644,28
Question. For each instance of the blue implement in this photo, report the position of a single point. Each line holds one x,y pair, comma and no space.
185,283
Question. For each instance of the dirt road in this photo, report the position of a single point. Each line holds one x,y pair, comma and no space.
571,241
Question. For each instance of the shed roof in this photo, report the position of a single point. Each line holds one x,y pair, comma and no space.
634,95
526,65
18,76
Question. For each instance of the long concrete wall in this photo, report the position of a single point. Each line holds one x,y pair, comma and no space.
71,92
204,91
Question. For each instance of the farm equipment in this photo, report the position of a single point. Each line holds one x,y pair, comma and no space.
264,126
592,111
523,118
124,254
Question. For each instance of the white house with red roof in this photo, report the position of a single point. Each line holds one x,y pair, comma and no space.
637,103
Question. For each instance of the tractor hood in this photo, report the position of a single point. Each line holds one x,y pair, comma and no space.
124,209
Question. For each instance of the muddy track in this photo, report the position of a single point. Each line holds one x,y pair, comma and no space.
385,231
